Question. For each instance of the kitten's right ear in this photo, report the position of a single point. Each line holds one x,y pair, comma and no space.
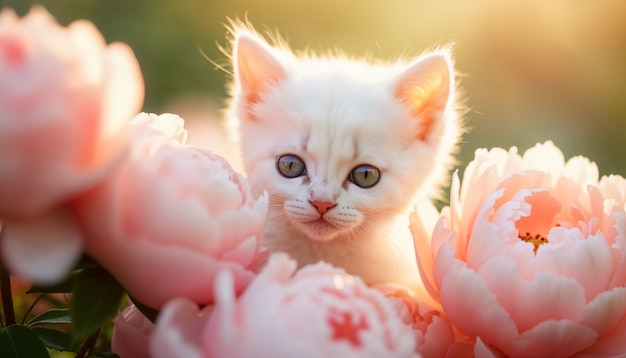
257,68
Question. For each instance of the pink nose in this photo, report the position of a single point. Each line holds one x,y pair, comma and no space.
322,206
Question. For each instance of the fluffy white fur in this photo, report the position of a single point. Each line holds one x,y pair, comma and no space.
336,113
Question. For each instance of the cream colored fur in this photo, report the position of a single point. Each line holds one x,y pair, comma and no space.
337,113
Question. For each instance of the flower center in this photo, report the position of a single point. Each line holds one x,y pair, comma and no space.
343,327
537,240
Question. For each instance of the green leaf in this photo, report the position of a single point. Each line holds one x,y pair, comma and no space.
53,316
54,339
65,286
17,341
96,298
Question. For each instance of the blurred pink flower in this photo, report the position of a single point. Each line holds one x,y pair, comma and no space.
171,217
529,259
65,100
320,311
131,334
433,332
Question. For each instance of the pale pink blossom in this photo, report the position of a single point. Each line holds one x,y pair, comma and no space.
529,258
65,100
131,334
433,333
319,311
171,217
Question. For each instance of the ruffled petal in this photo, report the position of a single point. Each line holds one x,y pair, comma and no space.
552,339
529,303
590,261
482,351
605,311
222,325
179,330
476,312
619,250
545,157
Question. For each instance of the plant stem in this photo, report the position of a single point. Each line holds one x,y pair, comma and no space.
88,346
30,309
5,291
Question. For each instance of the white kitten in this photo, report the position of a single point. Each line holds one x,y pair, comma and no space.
345,148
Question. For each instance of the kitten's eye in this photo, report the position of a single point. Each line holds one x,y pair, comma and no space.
365,176
290,166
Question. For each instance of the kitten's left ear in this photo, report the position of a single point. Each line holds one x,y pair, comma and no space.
257,68
426,87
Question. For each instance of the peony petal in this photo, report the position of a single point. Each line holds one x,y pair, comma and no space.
596,207
131,334
181,272
514,182
613,344
589,261
42,249
477,311
619,248
488,238
483,188
529,303
613,187
178,331
244,253
544,209
260,260
439,336
222,325
482,351
123,89
582,171
552,339
606,311
461,350
424,254
545,157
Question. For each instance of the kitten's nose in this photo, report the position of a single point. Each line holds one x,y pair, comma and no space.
322,206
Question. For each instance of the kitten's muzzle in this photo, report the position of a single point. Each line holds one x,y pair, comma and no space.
322,206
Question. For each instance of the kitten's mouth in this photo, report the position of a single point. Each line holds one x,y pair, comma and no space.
320,229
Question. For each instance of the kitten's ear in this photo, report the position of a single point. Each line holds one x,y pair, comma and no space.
426,87
256,66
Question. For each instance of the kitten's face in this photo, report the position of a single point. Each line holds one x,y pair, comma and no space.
333,142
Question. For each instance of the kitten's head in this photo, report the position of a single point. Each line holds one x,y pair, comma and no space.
341,145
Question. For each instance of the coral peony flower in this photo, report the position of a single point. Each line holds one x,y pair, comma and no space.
171,216
320,311
131,334
65,100
529,259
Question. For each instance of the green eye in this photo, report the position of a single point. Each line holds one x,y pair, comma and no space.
365,176
290,166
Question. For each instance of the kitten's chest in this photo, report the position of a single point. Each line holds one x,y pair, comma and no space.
382,256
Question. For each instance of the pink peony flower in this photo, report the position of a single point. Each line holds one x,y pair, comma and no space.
529,259
65,100
433,333
320,311
171,217
131,334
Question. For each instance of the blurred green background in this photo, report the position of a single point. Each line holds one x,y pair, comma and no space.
532,70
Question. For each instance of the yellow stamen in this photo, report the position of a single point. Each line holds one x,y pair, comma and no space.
537,240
